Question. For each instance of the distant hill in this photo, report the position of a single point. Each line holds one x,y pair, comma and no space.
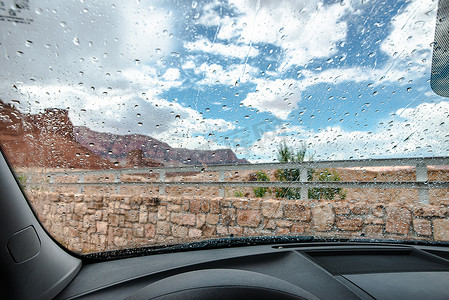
116,147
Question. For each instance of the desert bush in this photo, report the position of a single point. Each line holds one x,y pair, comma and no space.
288,154
239,193
327,193
260,176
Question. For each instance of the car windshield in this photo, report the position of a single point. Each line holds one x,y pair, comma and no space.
148,123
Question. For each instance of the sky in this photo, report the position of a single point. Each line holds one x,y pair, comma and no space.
350,79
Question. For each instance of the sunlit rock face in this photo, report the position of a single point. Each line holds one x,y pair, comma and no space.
44,140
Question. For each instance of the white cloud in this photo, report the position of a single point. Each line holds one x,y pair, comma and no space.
408,46
303,29
188,64
278,97
122,112
172,74
217,48
229,75
413,32
281,96
145,30
419,131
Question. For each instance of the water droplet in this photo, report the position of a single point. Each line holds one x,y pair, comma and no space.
76,41
63,24
194,4
140,124
28,43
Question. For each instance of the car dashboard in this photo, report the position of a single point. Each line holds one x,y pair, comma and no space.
286,271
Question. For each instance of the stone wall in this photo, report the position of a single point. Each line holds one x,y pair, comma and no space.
92,223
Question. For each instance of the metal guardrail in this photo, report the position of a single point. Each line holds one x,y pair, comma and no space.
421,183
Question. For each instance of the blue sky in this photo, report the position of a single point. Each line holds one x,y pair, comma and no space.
349,78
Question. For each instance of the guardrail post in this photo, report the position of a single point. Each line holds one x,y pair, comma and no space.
162,181
221,178
421,176
304,192
51,181
117,180
81,185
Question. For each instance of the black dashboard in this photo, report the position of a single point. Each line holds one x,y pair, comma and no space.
284,271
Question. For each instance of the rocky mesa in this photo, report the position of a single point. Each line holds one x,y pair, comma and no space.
44,140
116,147
50,140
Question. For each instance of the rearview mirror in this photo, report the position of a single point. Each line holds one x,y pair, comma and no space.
439,78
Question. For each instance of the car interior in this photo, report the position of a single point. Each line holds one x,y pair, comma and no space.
35,264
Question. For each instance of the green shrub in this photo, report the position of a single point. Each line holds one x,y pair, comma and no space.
288,154
260,176
327,193
22,180
239,193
